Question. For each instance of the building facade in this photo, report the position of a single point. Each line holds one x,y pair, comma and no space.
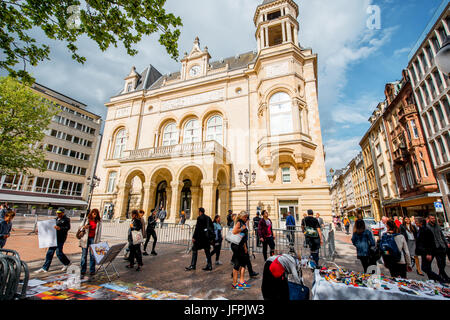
431,92
180,140
412,165
71,148
361,194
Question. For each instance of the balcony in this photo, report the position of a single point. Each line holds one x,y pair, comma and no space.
178,151
400,156
406,111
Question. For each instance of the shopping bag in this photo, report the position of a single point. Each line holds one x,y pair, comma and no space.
137,237
298,291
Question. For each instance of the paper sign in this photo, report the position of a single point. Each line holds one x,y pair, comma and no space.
47,233
99,250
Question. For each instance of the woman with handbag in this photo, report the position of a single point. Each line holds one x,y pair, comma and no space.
134,240
89,233
409,231
363,240
266,235
240,250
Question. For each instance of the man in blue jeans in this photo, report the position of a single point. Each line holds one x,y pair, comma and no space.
62,228
290,227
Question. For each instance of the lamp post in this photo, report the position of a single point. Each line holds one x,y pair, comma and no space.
244,178
443,57
92,182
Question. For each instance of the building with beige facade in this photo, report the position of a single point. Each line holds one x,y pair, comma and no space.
71,147
180,140
361,194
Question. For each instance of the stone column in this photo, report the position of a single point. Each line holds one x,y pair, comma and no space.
266,36
195,193
289,32
149,195
175,201
295,36
296,125
223,201
122,200
209,197
283,30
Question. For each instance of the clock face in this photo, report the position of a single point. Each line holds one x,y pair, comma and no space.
195,71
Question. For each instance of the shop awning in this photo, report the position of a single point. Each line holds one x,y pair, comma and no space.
422,199
14,198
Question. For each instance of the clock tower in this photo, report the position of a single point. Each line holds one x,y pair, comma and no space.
195,64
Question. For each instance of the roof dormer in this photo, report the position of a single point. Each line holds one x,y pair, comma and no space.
131,80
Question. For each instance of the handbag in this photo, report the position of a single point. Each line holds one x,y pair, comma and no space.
82,231
233,238
137,237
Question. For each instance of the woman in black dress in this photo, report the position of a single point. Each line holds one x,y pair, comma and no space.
240,251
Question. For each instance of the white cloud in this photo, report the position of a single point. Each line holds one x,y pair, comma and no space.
339,152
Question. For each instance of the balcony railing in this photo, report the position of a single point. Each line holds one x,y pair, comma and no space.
175,151
400,155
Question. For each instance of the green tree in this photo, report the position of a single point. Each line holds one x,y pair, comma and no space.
107,22
24,116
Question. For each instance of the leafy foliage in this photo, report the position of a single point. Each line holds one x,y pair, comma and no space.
107,22
24,116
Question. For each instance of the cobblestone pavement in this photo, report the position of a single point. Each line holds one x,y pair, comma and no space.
166,270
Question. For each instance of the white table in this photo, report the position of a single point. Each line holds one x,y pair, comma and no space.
325,290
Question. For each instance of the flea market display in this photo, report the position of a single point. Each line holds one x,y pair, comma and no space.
337,283
55,288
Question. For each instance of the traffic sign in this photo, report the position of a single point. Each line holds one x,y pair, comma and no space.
438,207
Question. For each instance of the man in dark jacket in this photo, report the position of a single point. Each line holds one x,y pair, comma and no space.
202,238
151,225
425,247
62,228
440,246
313,235
230,218
256,220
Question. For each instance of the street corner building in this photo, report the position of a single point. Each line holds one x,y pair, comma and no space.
179,140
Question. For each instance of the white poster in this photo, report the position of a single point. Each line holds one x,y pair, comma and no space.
99,250
47,233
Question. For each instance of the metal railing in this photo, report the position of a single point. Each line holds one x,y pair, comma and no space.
12,287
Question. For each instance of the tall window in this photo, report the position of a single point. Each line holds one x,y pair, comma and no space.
192,131
214,129
414,129
170,135
409,174
120,144
280,114
403,178
112,181
286,174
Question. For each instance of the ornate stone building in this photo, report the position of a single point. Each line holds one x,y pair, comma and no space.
179,140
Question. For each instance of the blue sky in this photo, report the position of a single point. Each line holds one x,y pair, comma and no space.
402,22
355,63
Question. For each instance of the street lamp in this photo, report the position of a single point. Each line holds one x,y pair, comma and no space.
92,182
443,57
244,179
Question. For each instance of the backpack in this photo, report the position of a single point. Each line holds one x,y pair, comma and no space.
388,248
311,232
210,234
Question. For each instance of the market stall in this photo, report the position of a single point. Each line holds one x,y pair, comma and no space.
341,284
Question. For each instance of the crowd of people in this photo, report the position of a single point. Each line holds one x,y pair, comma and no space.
401,244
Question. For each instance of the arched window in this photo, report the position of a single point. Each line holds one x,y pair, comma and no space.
170,135
214,129
192,131
112,181
280,108
120,143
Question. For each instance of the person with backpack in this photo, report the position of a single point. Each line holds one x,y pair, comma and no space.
363,240
409,231
202,238
266,235
347,223
313,235
275,277
162,216
395,253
